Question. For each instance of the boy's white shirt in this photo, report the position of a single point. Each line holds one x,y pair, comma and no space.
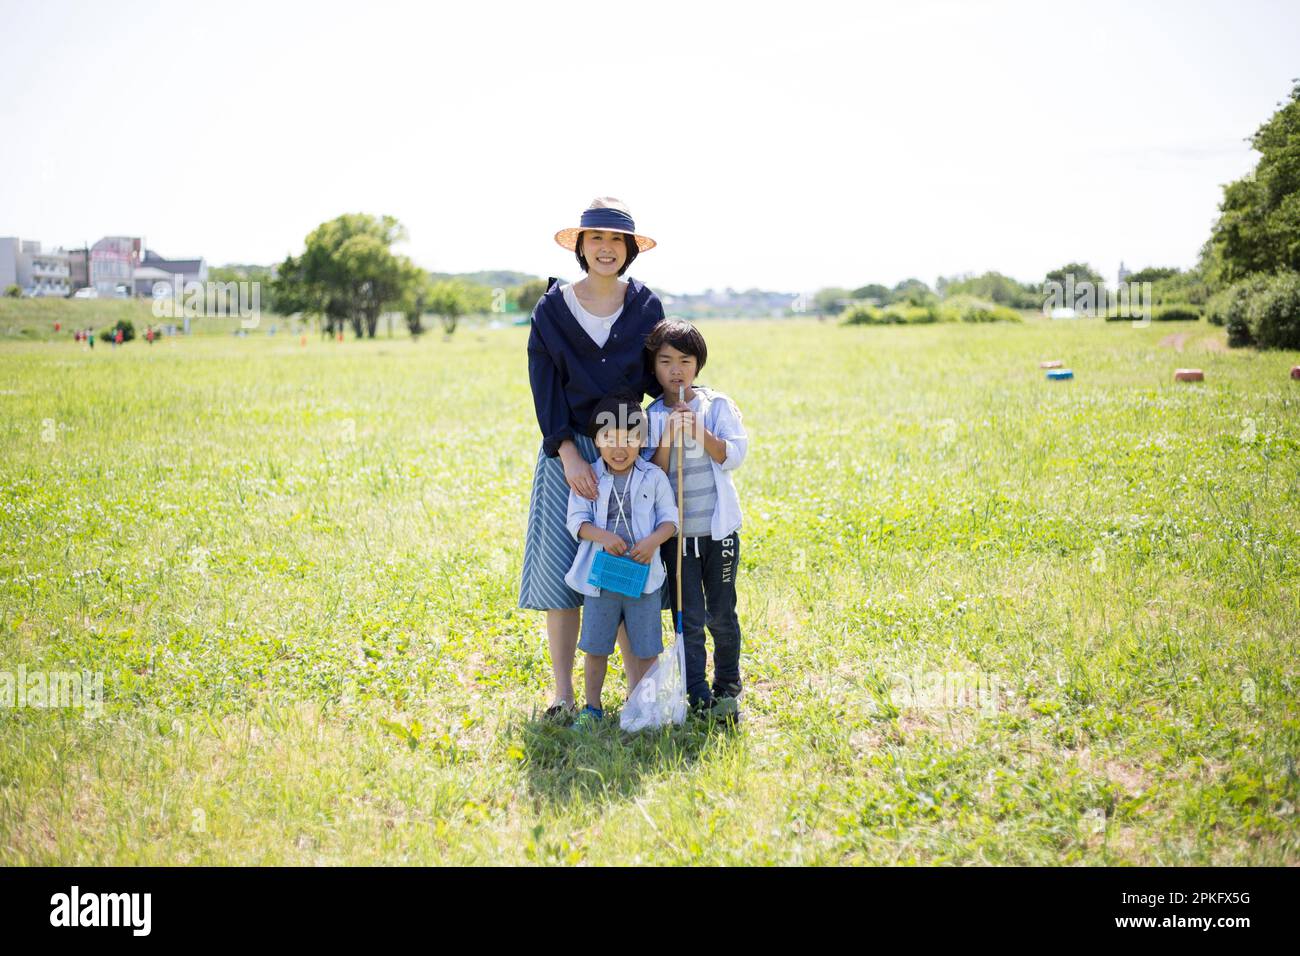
721,417
581,510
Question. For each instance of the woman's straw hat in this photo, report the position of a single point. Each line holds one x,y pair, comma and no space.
609,215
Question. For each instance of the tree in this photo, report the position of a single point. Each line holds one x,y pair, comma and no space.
449,300
416,302
913,292
992,287
1191,286
264,276
478,298
1081,271
348,273
1152,274
528,294
1258,229
872,290
829,300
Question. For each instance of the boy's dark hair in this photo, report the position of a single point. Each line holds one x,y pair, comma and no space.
682,336
618,410
628,242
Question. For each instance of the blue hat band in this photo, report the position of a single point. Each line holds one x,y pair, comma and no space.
607,219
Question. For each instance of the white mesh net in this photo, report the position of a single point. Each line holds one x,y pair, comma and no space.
660,698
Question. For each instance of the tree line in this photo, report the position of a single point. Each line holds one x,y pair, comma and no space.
1247,275
349,276
1246,278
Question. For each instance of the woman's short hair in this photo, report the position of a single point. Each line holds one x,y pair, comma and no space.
682,336
628,242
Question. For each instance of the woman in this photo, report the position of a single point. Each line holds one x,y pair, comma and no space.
587,340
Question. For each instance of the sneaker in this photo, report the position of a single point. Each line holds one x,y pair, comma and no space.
725,709
728,690
588,718
701,706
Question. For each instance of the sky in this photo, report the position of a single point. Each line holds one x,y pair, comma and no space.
784,146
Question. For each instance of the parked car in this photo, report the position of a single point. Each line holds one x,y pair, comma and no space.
86,292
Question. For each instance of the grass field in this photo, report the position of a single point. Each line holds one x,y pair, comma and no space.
296,569
34,320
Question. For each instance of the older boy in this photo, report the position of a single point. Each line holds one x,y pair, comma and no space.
715,445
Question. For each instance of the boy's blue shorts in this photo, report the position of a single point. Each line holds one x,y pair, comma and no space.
643,616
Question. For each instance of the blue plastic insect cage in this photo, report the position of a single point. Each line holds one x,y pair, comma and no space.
613,573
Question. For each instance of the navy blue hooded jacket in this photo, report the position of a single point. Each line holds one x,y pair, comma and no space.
569,373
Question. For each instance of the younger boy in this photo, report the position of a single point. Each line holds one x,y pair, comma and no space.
633,514
715,445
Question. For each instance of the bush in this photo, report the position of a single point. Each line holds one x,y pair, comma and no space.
962,308
862,315
13,291
1273,313
958,309
902,314
999,313
994,288
1159,313
897,314
1183,288
1228,308
1262,310
128,331
1176,313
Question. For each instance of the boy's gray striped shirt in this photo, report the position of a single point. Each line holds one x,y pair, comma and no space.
700,494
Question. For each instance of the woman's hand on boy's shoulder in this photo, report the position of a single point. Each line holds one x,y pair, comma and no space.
579,475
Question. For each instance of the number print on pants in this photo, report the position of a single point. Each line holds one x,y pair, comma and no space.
728,559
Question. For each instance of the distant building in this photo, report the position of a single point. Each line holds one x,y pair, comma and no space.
113,261
9,255
1123,273
146,277
79,267
35,272
51,273
155,268
112,264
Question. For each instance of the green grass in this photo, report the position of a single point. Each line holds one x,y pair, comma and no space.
34,319
297,569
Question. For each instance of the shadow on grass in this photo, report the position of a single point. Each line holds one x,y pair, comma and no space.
602,763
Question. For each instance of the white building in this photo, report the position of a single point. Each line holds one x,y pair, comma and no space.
114,266
35,272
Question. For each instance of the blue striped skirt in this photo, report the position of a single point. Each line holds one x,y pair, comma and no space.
549,549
